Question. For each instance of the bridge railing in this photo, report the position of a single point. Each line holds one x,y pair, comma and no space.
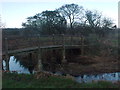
21,42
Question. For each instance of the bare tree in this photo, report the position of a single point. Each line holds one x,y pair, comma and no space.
93,18
107,23
71,12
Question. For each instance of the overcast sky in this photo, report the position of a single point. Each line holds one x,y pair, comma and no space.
14,12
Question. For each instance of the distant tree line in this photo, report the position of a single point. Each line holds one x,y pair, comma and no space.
68,19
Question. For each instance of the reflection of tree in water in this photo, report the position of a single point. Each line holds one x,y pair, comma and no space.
28,60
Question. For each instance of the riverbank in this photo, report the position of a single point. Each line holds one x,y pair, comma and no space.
14,80
91,65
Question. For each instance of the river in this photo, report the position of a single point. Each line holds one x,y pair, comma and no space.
15,66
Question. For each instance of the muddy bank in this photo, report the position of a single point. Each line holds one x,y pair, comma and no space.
94,65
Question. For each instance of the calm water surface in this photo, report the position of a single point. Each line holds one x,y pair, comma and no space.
113,77
15,66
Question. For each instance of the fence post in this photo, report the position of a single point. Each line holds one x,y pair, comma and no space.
71,39
53,38
6,56
82,49
63,50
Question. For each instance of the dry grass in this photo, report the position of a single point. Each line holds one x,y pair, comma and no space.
95,65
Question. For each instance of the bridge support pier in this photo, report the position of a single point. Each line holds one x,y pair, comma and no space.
7,58
40,67
63,50
63,55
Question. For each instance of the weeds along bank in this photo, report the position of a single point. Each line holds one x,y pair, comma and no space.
106,45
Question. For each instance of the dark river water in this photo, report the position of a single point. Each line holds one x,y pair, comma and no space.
113,77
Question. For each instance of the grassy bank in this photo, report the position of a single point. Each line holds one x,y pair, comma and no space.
29,81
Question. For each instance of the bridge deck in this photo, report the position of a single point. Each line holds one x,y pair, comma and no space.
10,52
